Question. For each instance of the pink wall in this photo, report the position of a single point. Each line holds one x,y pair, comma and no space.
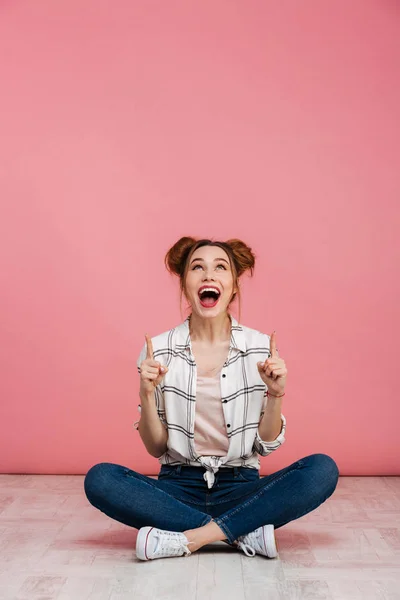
123,129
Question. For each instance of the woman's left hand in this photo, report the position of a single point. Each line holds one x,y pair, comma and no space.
273,371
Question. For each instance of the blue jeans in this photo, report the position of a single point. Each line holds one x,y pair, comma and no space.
239,502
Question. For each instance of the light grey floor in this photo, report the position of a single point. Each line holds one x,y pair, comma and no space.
55,545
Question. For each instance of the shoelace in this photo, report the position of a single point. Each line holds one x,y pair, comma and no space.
247,549
254,546
170,544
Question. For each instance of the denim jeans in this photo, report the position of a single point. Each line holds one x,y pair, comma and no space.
239,502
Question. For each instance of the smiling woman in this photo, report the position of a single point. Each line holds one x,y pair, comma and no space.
211,393
222,263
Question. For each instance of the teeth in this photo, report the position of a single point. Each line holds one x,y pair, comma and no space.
209,289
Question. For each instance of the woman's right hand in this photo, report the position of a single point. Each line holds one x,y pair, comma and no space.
151,371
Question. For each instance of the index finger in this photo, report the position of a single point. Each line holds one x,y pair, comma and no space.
272,344
149,353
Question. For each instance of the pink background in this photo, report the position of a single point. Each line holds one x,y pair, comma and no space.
125,126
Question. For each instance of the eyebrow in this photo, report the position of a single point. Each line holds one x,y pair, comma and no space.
194,260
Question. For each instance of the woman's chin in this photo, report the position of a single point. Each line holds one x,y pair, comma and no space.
204,311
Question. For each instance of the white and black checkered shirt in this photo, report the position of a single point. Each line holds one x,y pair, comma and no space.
243,397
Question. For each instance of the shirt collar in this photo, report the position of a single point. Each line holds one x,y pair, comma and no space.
182,338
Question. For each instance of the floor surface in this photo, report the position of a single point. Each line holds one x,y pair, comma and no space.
55,545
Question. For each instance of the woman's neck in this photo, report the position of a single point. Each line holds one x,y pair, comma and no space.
210,331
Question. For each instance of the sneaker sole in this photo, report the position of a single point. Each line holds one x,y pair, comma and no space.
141,542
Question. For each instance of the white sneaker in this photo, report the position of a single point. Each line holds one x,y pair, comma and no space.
259,541
158,543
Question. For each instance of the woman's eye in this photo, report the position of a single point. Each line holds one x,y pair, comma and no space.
219,265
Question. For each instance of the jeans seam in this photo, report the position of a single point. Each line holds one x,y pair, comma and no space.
222,525
224,501
207,520
253,498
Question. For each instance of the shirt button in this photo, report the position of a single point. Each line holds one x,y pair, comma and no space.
228,425
223,375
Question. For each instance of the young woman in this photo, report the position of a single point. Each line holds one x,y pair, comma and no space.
211,394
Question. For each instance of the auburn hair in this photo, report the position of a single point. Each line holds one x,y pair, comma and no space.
241,258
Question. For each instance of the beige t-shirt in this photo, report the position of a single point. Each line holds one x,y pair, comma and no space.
210,437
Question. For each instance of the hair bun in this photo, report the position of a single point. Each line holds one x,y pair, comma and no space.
243,255
176,256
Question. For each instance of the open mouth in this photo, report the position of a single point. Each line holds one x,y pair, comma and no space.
209,298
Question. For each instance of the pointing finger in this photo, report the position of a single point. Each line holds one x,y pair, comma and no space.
272,344
149,346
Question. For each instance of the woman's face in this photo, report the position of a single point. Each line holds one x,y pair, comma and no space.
209,267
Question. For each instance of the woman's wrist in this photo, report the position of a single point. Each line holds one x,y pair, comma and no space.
275,395
146,396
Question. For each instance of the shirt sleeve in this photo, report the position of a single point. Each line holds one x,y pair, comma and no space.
265,448
158,394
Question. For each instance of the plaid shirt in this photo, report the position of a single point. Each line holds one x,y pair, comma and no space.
243,397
